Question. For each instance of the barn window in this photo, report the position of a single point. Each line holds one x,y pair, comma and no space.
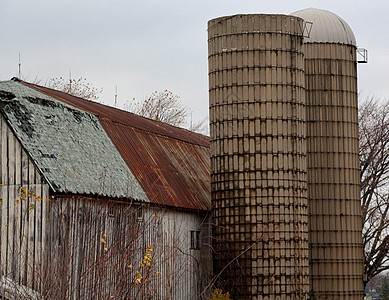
139,214
195,239
111,211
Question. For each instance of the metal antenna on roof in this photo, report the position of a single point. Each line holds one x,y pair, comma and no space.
20,68
116,95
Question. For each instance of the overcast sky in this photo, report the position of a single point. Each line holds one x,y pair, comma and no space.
143,46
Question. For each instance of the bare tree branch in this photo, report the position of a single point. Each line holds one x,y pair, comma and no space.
374,161
80,87
166,107
161,106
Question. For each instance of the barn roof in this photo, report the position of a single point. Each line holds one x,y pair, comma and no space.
68,145
163,164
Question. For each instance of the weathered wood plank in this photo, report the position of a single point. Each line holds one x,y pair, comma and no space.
4,230
11,233
11,158
44,192
4,152
22,182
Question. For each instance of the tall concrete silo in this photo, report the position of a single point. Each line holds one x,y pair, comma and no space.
336,258
258,155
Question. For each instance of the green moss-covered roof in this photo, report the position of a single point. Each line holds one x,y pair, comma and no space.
68,145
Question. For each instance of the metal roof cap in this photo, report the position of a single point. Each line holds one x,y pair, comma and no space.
327,27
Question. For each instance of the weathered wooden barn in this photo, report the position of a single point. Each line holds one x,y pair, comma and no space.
99,203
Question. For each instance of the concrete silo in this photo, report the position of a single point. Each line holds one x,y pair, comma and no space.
336,258
258,155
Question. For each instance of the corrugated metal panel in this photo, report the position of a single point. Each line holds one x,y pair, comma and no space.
327,27
170,171
125,117
258,156
170,163
68,145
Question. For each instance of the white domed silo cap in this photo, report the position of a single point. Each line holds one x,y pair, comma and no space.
327,27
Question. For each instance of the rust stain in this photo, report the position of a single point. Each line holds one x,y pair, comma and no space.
170,171
171,164
124,117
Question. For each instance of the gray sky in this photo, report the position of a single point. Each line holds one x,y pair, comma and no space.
143,46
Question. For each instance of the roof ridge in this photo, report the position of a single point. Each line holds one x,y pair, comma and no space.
164,128
155,133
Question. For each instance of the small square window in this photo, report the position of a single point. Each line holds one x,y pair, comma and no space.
195,239
111,211
139,214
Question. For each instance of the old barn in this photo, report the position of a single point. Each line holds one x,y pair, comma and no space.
97,202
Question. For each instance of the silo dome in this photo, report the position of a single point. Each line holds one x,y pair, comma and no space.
327,27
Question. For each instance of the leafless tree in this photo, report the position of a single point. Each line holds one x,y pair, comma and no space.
80,87
374,160
166,107
161,106
199,126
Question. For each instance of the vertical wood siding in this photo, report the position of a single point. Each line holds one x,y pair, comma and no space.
22,219
103,246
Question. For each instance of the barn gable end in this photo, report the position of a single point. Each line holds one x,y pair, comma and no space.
24,200
79,208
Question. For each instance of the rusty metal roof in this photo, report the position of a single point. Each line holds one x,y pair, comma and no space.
125,117
69,146
171,164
